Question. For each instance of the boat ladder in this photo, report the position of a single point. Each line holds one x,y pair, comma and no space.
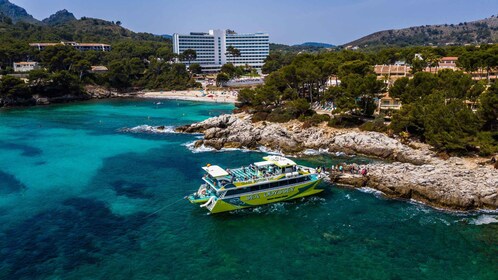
210,203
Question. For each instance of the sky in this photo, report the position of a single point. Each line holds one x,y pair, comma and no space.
287,21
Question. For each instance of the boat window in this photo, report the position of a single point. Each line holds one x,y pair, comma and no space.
265,186
293,181
236,191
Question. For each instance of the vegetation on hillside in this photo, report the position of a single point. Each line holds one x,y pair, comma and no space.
137,60
434,105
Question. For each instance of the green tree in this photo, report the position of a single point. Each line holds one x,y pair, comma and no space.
232,52
13,87
189,55
222,79
195,68
228,69
488,109
298,107
81,68
59,57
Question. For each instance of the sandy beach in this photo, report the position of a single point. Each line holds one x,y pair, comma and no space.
195,95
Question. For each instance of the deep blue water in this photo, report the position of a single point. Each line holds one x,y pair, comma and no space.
82,199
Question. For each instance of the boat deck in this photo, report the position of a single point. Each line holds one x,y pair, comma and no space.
251,173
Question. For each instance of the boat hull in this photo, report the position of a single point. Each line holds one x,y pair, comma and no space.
266,197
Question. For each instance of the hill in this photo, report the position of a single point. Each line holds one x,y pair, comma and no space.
64,29
16,13
63,16
316,44
296,48
62,26
476,32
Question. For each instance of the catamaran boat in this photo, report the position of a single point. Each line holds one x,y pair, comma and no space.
273,180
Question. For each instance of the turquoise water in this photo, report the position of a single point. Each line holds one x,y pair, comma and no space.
82,199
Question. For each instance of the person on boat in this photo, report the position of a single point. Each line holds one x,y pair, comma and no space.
340,168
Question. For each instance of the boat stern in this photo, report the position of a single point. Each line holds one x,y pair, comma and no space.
201,196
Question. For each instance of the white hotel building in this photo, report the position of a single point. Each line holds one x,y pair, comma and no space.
211,48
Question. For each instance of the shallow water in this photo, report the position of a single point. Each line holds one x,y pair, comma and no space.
81,198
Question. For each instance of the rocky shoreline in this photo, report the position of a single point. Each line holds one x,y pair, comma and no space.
92,92
413,172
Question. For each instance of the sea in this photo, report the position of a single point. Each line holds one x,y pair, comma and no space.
91,191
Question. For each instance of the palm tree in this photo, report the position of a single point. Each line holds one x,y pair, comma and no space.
233,52
189,55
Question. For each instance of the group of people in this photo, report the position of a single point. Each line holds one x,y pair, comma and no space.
350,168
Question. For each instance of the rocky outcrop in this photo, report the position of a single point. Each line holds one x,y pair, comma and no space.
450,184
229,131
98,92
415,173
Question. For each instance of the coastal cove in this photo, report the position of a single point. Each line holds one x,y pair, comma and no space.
89,190
98,93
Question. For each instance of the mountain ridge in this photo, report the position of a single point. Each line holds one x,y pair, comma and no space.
316,44
60,17
16,13
481,31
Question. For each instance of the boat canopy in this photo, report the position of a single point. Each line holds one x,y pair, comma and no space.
280,161
263,163
215,171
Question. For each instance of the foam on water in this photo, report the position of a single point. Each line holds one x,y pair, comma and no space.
484,220
149,129
371,191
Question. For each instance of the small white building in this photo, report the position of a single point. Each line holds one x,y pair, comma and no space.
26,66
98,69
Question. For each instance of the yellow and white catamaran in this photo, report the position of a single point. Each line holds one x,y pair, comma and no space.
273,180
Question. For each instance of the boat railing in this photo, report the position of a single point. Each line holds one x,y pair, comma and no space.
222,194
267,179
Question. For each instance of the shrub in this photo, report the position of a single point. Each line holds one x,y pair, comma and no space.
259,116
345,121
375,125
280,116
314,120
487,142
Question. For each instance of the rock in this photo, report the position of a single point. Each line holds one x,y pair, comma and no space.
443,185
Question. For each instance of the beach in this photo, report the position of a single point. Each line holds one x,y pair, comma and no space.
217,96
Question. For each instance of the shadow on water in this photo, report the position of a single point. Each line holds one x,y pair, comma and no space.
131,190
28,151
80,231
10,184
